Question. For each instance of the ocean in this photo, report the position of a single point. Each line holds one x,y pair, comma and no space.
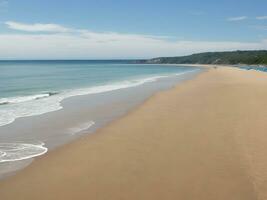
46,103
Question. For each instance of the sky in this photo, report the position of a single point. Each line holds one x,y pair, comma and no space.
128,29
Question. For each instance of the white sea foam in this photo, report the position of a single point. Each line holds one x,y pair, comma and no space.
20,99
20,151
16,107
81,127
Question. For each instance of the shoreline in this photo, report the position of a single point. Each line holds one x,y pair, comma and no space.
53,99
81,115
202,147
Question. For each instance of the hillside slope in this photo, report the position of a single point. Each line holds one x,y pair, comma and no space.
231,57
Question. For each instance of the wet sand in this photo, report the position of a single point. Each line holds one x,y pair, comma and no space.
205,139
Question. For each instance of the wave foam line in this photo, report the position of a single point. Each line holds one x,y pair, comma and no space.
13,100
81,127
10,152
44,103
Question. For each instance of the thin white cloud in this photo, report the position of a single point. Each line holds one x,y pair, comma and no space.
85,44
241,18
262,17
36,27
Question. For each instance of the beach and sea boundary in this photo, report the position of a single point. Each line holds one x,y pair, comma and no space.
101,92
204,139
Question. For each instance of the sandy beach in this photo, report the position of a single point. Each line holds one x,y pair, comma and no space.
204,139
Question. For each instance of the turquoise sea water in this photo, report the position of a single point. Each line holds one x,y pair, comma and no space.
103,90
19,78
257,68
35,87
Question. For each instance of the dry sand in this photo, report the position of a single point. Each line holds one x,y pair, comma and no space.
206,139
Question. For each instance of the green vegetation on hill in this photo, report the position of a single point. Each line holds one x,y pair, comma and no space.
234,57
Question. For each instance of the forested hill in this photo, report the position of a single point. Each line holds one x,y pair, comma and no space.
231,57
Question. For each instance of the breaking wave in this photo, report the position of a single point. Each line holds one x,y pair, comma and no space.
20,99
24,106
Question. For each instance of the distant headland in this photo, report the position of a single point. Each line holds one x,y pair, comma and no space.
257,57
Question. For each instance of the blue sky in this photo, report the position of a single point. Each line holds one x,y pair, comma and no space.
89,29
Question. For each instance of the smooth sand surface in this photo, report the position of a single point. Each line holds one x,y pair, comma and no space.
206,139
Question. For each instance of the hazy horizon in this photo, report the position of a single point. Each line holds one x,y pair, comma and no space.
83,30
